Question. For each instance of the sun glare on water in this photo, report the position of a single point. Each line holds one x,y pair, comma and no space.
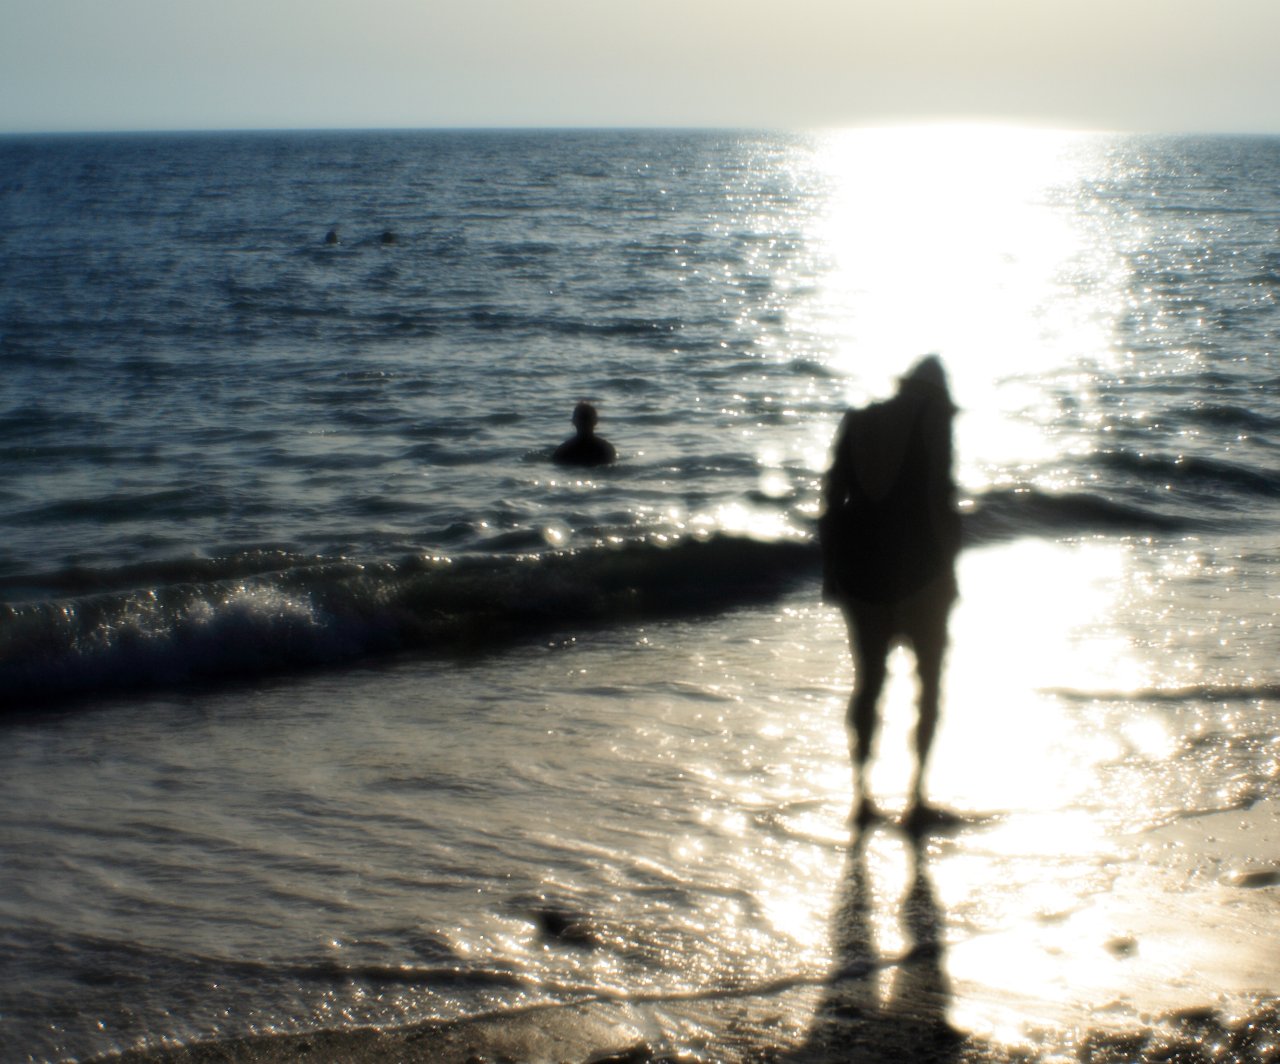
948,239
967,241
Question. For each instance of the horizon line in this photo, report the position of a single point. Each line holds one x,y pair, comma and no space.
496,127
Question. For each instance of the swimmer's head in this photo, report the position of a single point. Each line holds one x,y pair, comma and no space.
585,417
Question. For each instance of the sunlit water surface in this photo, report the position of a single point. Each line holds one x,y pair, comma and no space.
656,812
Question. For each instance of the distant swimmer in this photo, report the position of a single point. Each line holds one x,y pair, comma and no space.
331,237
890,534
585,448
388,236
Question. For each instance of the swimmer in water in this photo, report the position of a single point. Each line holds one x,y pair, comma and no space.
585,448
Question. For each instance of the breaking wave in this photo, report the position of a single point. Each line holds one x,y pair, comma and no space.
203,621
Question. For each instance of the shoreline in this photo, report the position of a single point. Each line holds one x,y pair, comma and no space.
585,1034
1186,972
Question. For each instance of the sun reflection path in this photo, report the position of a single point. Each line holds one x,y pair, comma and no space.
1080,902
1034,617
1043,900
963,240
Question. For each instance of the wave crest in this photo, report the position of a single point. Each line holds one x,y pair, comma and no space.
324,614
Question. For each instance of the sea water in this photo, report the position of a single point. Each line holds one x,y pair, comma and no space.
332,703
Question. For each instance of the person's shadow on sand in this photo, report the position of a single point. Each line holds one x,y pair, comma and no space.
852,1022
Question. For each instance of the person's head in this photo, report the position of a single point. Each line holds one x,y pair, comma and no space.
585,417
927,379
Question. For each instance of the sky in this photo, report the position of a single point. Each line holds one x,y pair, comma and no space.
1178,65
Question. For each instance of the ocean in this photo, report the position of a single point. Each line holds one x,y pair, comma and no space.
336,715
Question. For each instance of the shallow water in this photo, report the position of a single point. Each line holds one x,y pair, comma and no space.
650,812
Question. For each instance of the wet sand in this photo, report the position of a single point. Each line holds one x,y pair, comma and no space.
1178,960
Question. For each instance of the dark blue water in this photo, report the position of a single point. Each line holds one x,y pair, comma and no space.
230,449
208,409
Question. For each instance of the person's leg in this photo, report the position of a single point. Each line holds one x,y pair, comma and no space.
929,665
869,640
928,634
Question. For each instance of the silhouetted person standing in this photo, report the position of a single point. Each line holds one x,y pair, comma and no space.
890,534
585,448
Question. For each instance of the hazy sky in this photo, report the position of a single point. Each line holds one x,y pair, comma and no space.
197,64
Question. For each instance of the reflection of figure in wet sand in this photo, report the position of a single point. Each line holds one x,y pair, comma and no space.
852,1022
585,448
890,534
